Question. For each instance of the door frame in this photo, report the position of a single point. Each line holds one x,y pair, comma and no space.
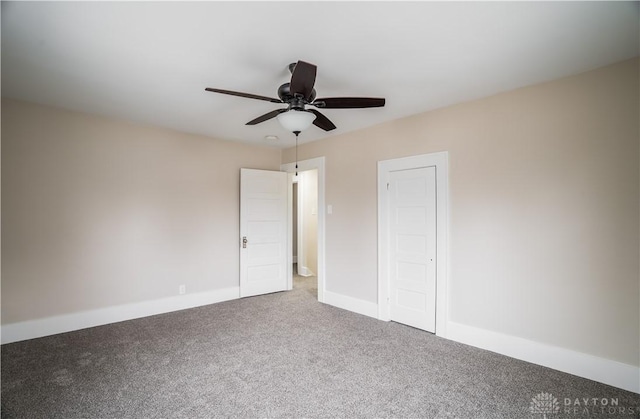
317,163
440,161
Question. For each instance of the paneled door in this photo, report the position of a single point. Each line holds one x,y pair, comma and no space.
412,255
263,232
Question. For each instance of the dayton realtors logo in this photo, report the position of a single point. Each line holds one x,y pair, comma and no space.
546,404
597,406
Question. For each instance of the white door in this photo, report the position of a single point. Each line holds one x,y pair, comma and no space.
263,232
412,256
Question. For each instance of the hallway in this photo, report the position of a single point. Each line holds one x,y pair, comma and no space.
307,283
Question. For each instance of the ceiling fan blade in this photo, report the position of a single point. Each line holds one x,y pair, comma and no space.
302,79
266,116
240,94
322,121
349,102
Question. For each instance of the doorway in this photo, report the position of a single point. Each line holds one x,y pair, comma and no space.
305,230
310,252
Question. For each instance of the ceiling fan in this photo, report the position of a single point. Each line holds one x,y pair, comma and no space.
298,94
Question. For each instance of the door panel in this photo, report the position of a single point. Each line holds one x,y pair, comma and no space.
412,233
263,222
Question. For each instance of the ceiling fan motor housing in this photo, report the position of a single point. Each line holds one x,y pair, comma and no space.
297,101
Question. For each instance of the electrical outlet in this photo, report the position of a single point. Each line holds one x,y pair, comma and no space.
182,289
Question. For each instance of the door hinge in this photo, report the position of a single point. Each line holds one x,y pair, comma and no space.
387,185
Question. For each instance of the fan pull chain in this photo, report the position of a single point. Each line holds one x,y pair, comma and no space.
296,133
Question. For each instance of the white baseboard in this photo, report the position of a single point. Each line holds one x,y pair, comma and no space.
605,371
75,321
304,271
352,304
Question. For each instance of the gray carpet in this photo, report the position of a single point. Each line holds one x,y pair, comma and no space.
281,355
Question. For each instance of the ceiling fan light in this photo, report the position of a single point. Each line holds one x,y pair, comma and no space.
296,121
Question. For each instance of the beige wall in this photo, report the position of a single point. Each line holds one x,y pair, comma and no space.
544,208
97,212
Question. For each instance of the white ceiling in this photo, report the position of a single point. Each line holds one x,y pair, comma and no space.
151,61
